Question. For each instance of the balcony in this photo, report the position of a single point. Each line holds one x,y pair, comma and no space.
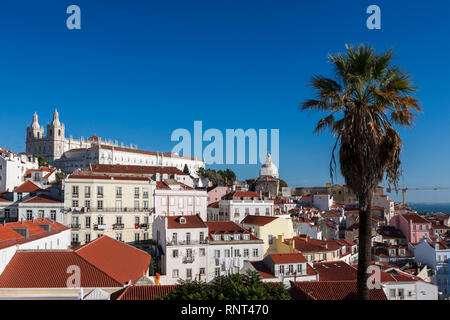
186,243
143,225
123,209
188,259
75,243
99,226
87,195
75,226
118,226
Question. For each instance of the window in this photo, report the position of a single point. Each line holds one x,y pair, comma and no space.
180,203
100,205
392,292
255,252
202,252
174,238
41,214
202,271
175,273
189,201
188,237
237,252
118,205
246,253
74,191
217,272
87,237
270,239
118,192
227,253
136,220
75,203
53,215
136,192
29,214
202,237
19,196
188,274
100,220
118,236
256,211
87,191
163,201
136,237
175,253
99,191
145,193
267,212
216,254
88,222
291,269
299,268
87,204
145,205
247,211
281,269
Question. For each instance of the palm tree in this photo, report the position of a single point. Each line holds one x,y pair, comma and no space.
368,97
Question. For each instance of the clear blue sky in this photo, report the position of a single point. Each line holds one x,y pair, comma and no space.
137,70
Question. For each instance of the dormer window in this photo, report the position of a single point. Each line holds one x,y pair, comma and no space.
217,237
246,236
182,220
237,237
226,237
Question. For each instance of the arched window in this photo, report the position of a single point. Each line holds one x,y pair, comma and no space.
59,133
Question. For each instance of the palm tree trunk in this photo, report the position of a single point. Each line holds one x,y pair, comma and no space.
365,245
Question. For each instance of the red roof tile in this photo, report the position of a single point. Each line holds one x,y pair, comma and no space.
330,290
142,292
134,169
281,258
42,199
27,186
48,269
120,261
335,271
192,221
258,220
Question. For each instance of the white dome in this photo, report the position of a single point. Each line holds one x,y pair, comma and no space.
268,168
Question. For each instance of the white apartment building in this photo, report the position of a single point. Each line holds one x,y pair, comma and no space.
435,253
239,204
177,199
13,168
68,154
183,241
386,203
117,206
323,201
229,245
39,234
31,201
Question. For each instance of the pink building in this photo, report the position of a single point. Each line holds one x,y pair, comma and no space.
413,226
216,193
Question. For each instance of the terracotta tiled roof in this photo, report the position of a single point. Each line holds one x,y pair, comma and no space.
237,195
224,227
192,221
214,204
281,258
415,218
142,292
134,169
41,199
258,220
86,176
27,186
8,234
48,269
120,261
335,271
330,290
32,227
307,244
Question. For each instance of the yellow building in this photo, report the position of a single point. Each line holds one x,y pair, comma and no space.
117,206
268,229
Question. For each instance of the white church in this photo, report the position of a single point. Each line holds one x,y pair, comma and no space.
68,154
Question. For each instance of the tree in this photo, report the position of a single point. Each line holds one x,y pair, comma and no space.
282,184
368,97
186,170
60,176
42,162
232,287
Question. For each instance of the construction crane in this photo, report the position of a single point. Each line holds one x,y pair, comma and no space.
415,189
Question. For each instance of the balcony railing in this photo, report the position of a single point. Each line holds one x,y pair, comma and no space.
188,259
99,226
92,210
186,243
75,226
143,225
118,226
75,243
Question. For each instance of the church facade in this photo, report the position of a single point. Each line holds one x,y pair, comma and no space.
68,154
268,181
